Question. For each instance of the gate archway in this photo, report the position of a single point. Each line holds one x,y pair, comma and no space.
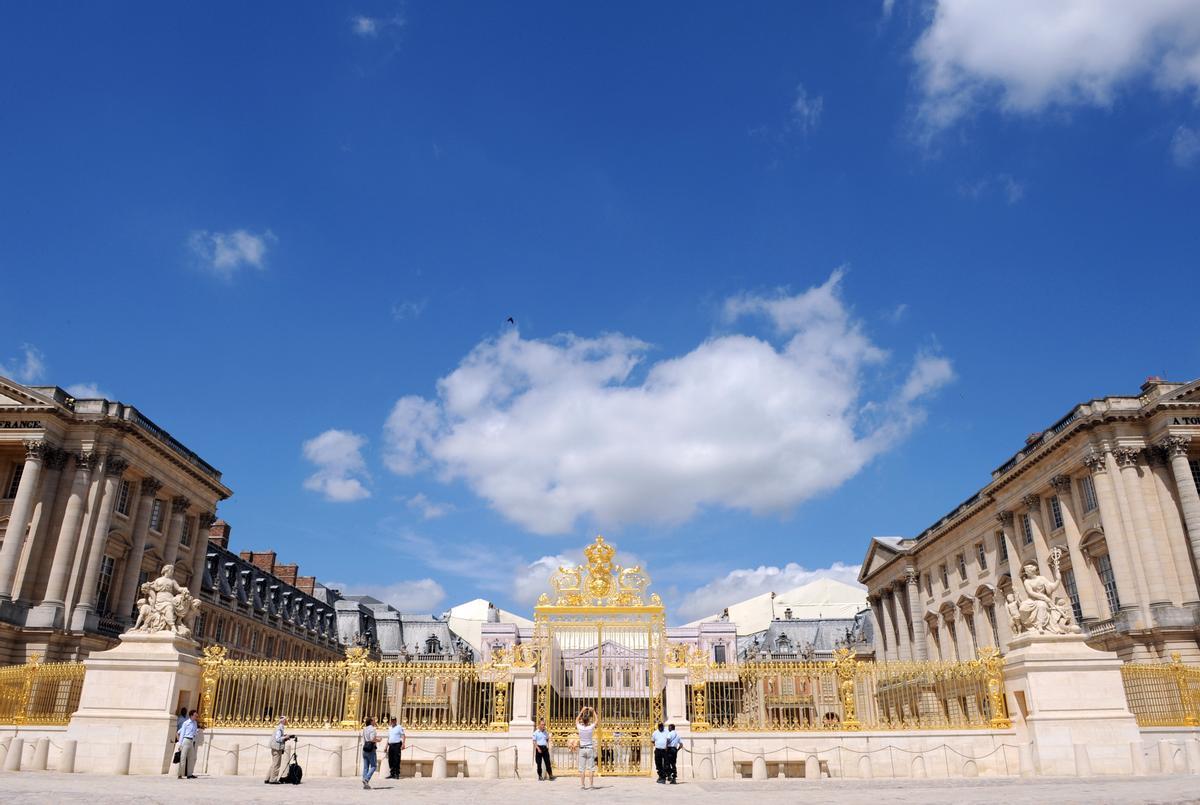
602,644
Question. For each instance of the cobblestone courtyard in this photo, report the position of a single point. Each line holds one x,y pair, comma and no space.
50,787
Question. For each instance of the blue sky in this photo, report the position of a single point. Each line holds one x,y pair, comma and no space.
783,277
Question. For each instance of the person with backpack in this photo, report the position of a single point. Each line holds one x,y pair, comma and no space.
277,749
371,739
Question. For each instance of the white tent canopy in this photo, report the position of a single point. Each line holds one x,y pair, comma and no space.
823,598
466,621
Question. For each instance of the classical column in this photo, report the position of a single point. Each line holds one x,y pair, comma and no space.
137,549
200,552
49,612
1005,518
114,469
1041,550
1143,539
45,532
900,615
18,517
179,507
912,580
1120,553
1170,516
889,632
1089,603
43,512
1176,448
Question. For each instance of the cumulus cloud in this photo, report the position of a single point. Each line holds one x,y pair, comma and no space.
549,431
408,309
225,253
806,110
416,595
738,585
371,27
1185,147
87,391
429,509
28,367
1028,55
340,466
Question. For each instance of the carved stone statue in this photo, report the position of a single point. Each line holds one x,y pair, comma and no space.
165,606
1040,612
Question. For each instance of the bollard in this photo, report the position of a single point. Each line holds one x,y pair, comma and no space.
12,762
758,768
491,765
333,766
1083,763
918,767
1166,757
812,767
229,764
41,754
121,762
1137,758
66,761
439,764
864,767
4,750
706,767
1192,748
1025,760
970,769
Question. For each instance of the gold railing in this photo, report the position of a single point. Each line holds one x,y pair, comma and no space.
847,695
1163,695
40,693
339,695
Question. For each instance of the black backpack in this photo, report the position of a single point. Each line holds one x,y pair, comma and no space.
294,772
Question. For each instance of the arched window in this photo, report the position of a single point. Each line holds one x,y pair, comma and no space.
782,644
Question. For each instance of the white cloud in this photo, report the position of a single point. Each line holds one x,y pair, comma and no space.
225,253
897,314
929,373
886,8
340,466
87,391
416,595
429,509
552,431
806,110
738,585
408,309
533,579
1028,55
1185,147
30,367
371,27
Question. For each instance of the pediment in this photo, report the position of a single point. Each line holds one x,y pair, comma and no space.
14,395
878,555
1188,392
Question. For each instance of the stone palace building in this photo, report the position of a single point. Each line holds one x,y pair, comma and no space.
1109,492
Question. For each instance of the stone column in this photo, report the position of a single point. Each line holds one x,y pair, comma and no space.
49,613
80,616
912,580
1005,518
900,615
1089,602
45,534
1170,515
889,633
133,562
1142,538
1189,499
179,507
18,518
1041,549
200,552
39,521
1119,551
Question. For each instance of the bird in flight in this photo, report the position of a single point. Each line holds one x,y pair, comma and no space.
510,320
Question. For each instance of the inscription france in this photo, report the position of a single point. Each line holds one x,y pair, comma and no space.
21,424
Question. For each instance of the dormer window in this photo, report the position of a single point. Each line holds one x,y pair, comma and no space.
433,645
782,644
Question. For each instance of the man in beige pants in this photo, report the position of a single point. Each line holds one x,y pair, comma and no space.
187,746
277,743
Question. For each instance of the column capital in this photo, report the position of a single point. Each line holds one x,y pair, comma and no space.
37,449
1095,463
1005,518
911,576
1061,484
87,460
1175,445
180,504
56,459
116,466
1032,502
150,487
206,519
1126,456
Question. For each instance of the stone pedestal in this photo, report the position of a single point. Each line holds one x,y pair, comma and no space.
132,694
1065,694
676,704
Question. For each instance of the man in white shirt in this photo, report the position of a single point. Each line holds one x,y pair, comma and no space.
277,744
659,737
187,746
674,743
395,745
541,751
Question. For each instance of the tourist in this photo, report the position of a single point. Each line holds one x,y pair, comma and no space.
371,740
187,746
585,724
674,744
541,750
659,739
395,747
277,745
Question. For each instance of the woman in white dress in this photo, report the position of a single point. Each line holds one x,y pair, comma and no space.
585,724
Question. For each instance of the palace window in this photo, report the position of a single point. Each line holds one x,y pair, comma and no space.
981,553
1056,518
433,645
962,566
1104,566
990,611
104,583
200,621
568,678
953,630
945,577
627,677
719,653
156,515
1195,465
185,538
608,677
590,677
970,621
1001,547
14,483
123,498
429,686
219,632
1068,580
647,677
929,584
1087,491
1026,529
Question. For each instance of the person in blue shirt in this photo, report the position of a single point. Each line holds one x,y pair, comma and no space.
541,751
674,743
187,746
659,737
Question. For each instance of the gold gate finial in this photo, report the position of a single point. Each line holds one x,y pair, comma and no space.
599,583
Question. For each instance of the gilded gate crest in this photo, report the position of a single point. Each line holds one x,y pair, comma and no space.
599,583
